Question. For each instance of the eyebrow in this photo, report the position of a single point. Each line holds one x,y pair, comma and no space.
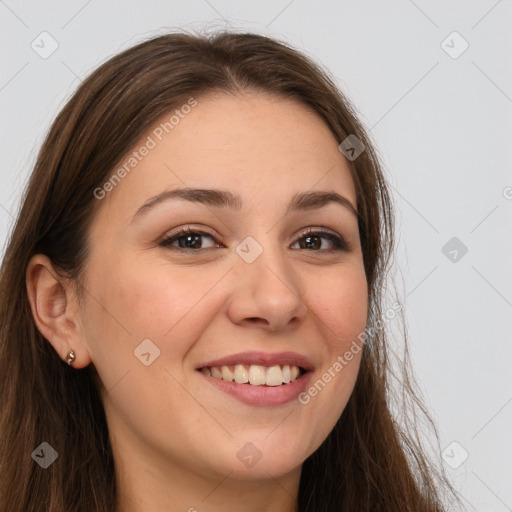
224,199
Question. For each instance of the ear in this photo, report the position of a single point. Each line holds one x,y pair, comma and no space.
55,310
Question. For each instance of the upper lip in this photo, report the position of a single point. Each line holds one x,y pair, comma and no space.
263,359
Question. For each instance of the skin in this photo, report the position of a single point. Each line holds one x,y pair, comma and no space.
175,437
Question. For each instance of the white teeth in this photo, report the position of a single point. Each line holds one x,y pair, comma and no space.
241,374
256,375
227,374
216,372
286,373
274,376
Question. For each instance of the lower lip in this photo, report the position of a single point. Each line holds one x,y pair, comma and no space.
262,396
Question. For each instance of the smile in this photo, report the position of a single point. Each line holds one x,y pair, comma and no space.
254,374
259,392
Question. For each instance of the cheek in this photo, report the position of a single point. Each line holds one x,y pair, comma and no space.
150,300
169,305
341,307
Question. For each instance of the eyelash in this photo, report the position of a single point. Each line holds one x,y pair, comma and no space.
340,244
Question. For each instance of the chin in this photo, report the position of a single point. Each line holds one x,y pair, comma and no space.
263,470
266,457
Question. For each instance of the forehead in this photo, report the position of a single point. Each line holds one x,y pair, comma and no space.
262,147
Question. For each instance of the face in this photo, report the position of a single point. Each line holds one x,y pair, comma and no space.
255,284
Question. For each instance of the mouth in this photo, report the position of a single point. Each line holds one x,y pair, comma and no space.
269,387
259,378
255,374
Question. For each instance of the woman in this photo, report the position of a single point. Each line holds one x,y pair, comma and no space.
191,298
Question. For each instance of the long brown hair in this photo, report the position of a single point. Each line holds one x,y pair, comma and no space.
368,463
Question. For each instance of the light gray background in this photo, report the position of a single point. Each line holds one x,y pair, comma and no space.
442,126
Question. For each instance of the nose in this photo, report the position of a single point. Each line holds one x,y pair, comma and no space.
266,292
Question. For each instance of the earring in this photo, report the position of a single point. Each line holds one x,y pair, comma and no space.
70,358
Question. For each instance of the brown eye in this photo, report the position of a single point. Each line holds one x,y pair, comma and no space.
187,240
312,240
